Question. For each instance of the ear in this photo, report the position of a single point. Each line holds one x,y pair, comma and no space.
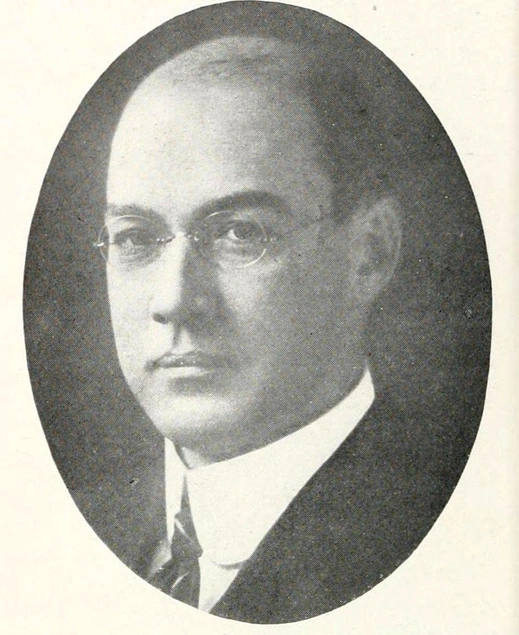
374,246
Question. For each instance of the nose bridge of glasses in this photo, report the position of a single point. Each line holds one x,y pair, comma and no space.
166,240
177,245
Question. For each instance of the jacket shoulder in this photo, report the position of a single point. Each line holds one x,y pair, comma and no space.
127,511
357,519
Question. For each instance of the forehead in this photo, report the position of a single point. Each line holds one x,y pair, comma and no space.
179,145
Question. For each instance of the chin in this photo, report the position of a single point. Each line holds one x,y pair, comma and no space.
196,421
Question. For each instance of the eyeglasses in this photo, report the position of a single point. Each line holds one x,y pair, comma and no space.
230,240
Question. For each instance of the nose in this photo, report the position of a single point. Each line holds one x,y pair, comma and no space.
179,290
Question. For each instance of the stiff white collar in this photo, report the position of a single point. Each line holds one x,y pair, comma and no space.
234,503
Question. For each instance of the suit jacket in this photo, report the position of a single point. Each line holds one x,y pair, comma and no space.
355,521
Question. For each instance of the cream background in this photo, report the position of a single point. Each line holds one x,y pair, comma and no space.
56,576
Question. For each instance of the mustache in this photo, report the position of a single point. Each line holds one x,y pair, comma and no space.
200,359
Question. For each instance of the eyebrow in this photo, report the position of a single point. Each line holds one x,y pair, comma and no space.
115,211
245,200
234,202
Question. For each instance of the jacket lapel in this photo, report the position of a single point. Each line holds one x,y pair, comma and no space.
353,523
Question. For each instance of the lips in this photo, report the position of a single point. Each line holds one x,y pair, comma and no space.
195,360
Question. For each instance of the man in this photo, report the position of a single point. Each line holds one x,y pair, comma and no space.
248,230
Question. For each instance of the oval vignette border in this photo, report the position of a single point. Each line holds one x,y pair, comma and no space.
431,329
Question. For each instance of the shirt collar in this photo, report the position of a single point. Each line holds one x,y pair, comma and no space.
234,503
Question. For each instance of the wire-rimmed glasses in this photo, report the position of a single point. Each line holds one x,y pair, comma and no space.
228,239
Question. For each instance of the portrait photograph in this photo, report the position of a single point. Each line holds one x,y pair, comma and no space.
259,324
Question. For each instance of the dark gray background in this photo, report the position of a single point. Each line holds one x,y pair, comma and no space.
430,331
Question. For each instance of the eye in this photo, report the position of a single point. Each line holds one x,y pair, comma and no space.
133,238
231,239
130,241
243,231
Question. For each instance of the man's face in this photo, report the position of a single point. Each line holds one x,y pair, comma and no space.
225,360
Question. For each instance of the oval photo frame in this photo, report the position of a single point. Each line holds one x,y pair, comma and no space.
427,341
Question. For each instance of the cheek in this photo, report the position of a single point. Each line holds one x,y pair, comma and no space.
127,300
128,311
279,312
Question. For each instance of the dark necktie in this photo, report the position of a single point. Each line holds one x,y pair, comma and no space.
179,577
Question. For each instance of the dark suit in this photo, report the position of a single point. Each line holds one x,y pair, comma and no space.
352,524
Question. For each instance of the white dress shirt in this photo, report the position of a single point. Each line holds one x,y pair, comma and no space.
234,503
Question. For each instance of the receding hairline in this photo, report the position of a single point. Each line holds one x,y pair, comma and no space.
264,65
249,58
323,80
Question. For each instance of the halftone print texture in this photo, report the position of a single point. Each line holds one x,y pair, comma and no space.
395,184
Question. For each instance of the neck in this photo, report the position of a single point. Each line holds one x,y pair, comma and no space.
326,399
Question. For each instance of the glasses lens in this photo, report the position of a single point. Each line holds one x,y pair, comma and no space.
232,240
129,241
